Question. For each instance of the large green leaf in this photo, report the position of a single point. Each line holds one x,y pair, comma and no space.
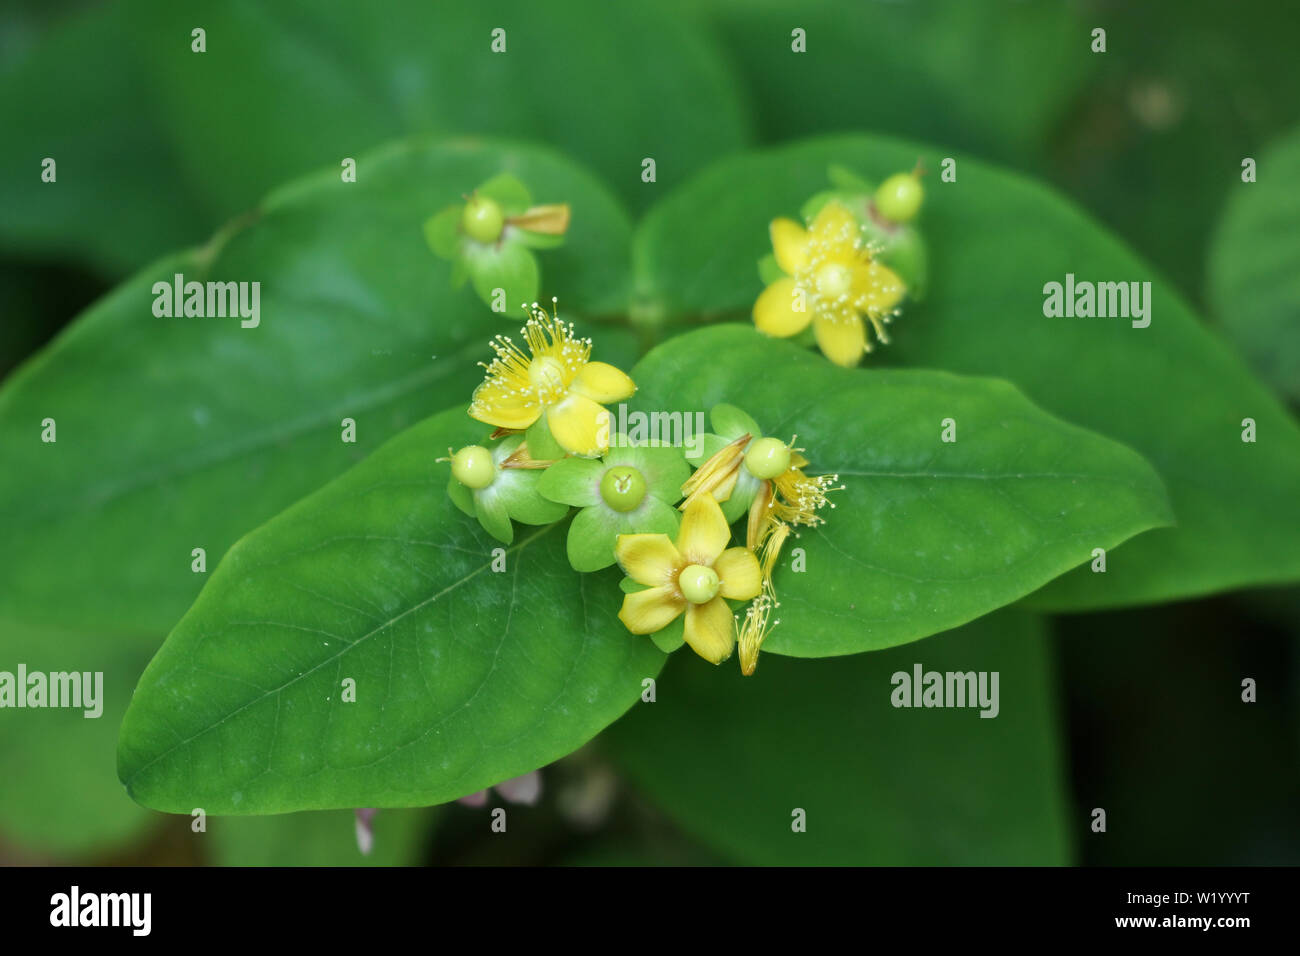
731,758
293,85
180,433
183,433
119,199
1172,390
464,676
319,839
926,534
1254,267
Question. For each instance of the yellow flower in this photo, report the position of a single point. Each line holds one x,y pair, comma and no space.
693,576
831,281
556,378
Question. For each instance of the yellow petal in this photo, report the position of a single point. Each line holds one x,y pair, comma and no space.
876,288
789,242
843,342
579,425
704,532
709,630
650,559
760,516
645,612
603,383
493,404
774,312
835,222
738,574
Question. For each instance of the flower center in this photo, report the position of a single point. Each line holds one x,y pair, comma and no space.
698,584
622,488
482,220
834,280
472,467
767,458
546,375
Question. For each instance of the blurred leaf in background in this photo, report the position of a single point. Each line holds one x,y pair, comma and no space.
1182,94
732,758
1254,267
329,838
1189,774
158,144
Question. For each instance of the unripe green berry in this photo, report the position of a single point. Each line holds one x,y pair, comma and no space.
472,466
899,197
698,584
767,458
482,219
622,488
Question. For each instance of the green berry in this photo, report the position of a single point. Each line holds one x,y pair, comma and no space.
482,219
899,197
622,488
698,584
472,466
767,458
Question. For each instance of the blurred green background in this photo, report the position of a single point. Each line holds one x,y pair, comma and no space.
158,148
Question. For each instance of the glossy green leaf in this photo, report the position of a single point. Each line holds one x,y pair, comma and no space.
926,534
465,676
319,839
197,429
182,433
731,758
1254,267
1172,391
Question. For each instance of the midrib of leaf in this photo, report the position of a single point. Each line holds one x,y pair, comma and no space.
523,543
259,440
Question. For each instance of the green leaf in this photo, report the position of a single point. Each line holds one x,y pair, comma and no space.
990,78
464,676
295,86
509,267
595,530
320,839
541,443
80,97
198,429
1171,391
731,758
573,481
442,232
926,534
183,433
509,193
1254,267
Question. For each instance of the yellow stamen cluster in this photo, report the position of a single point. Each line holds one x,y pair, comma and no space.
827,280
539,376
